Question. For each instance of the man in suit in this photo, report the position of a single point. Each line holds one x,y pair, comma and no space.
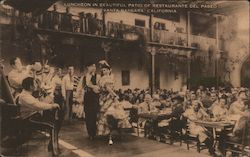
91,99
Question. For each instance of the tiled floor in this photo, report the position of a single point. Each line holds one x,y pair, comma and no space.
74,143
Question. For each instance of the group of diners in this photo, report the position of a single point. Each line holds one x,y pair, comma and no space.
40,87
185,109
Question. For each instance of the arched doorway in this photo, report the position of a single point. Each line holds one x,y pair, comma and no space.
245,73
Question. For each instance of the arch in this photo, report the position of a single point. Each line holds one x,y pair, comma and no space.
238,52
245,72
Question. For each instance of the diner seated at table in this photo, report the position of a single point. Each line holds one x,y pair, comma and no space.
190,98
238,107
237,135
156,100
206,99
238,110
196,112
214,102
126,106
176,123
220,113
165,109
146,107
220,110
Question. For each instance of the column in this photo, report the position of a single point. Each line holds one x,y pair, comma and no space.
217,53
106,46
188,29
104,23
217,32
153,53
188,68
217,67
106,56
151,28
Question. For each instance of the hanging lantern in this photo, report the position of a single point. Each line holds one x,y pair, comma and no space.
175,51
43,51
189,53
218,54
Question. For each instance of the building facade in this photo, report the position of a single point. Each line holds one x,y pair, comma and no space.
145,51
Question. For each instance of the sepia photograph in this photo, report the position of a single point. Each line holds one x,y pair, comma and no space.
124,78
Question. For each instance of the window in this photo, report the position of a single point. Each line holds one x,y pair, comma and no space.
125,77
159,26
140,23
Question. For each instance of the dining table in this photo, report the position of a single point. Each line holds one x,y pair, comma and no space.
153,116
215,125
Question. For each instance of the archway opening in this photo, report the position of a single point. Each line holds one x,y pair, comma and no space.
245,73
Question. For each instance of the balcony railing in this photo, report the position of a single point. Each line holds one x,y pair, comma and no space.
171,38
90,25
118,30
202,42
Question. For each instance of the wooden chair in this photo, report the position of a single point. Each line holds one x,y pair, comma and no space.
176,133
237,145
188,138
134,118
17,130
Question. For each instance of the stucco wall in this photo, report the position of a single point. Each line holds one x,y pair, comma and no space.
238,47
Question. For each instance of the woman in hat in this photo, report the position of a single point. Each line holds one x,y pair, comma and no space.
111,112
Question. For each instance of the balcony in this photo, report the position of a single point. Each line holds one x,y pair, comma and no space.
119,30
59,22
170,38
201,42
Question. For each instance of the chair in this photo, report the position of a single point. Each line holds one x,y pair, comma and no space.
176,127
134,118
38,123
237,145
18,130
188,138
113,126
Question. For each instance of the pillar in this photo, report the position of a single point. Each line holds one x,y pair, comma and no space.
106,56
106,46
188,68
153,53
188,29
217,32
151,25
104,23
217,54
